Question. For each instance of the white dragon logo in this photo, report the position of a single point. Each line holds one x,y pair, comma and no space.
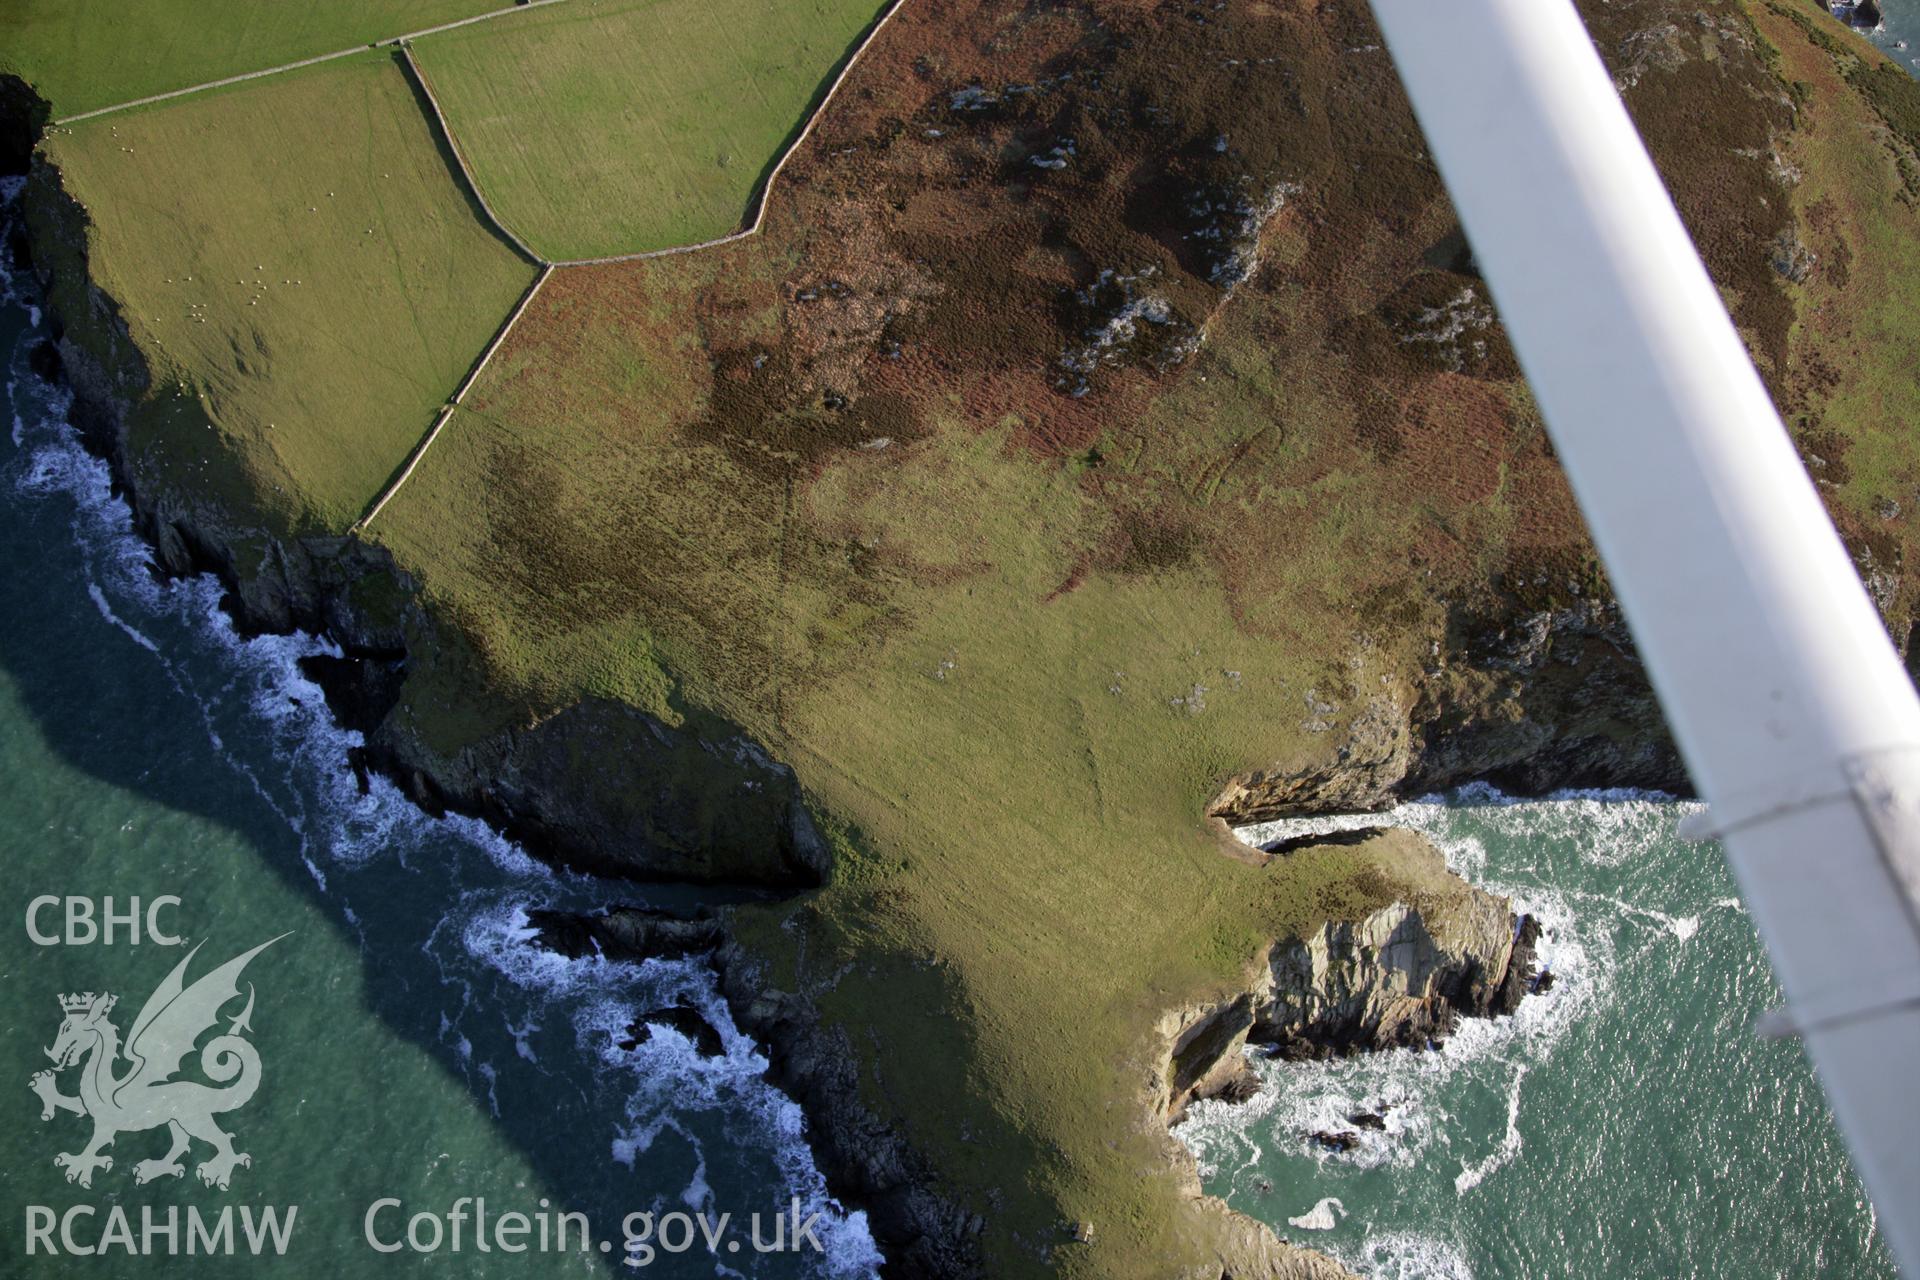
145,1097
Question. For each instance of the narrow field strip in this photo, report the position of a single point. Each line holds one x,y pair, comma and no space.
766,188
303,62
459,158
447,411
548,267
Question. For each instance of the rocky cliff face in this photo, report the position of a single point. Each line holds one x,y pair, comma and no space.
599,785
925,1237
1399,976
1533,700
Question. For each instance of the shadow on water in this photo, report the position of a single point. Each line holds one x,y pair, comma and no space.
109,710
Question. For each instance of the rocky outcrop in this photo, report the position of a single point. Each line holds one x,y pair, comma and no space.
626,933
1549,693
683,1018
925,1236
1534,701
1400,975
598,785
1399,978
607,788
23,114
1364,773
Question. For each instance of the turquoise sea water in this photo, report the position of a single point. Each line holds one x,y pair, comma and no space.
413,1045
1627,1122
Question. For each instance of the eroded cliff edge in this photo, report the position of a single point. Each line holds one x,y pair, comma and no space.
1533,684
604,787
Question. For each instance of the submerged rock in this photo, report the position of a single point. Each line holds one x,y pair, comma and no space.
625,933
685,1019
1334,1140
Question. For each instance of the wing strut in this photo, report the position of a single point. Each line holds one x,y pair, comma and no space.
1797,721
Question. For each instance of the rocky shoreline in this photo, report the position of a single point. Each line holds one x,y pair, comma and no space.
1401,977
523,782
865,1162
632,817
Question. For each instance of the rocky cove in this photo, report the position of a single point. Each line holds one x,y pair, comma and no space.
604,788
1531,690
1401,977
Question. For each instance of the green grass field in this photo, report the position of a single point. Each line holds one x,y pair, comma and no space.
1015,839
1009,677
303,270
603,127
83,54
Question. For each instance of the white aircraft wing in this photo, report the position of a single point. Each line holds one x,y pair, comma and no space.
1796,719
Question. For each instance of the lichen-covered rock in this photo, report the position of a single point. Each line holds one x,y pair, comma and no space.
1401,977
1398,975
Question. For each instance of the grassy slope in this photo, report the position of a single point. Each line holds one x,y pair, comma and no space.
603,127
1016,838
82,54
977,688
303,271
993,736
1858,201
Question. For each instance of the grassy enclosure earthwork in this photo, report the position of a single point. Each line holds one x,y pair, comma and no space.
602,127
85,54
303,270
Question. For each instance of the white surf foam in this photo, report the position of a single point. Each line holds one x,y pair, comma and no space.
484,933
1473,1175
1321,1216
1405,1255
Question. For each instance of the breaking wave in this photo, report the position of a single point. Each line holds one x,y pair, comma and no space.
521,1024
1437,1105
